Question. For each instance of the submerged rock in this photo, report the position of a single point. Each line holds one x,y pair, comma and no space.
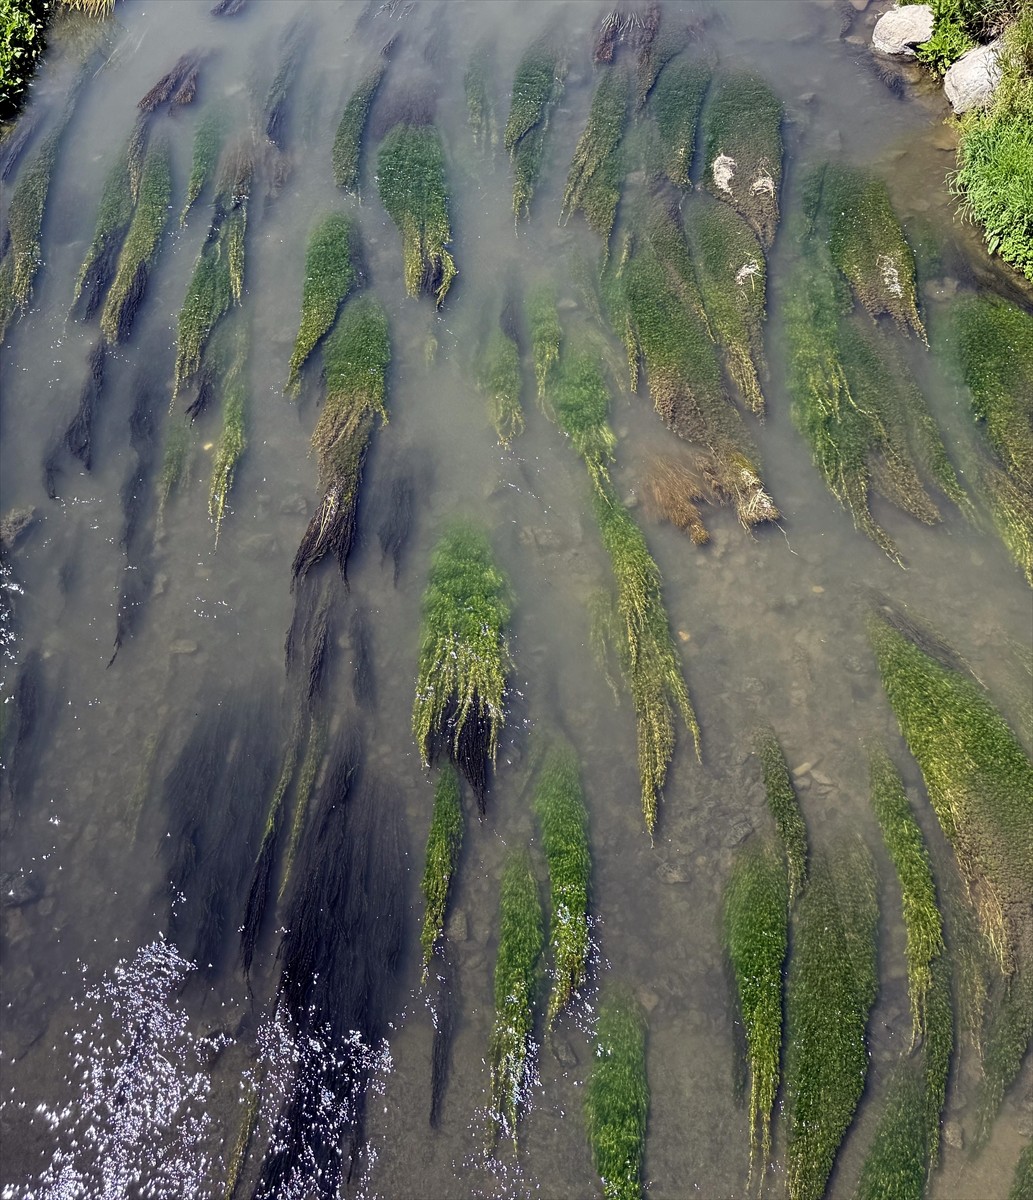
971,81
18,888
13,526
901,29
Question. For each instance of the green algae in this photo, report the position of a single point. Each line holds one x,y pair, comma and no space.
559,804
831,987
314,751
906,846
232,439
617,1097
546,334
597,168
140,248
742,133
24,226
1008,1038
113,217
516,985
444,842
411,180
895,1166
756,919
347,149
1022,1183
732,275
355,361
329,277
174,461
580,402
784,806
867,244
480,98
498,377
675,103
537,85
461,677
208,139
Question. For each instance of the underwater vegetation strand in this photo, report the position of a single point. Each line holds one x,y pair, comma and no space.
784,806
675,103
444,842
516,983
536,88
347,148
480,97
499,379
756,927
411,181
559,804
329,276
113,217
594,181
546,334
617,1097
21,259
831,987
208,139
232,440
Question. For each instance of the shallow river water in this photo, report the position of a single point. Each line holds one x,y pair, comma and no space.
770,628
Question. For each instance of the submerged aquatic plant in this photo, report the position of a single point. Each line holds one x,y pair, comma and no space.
756,917
675,103
355,361
444,842
232,440
867,244
922,921
785,808
742,132
516,983
499,379
411,180
208,139
992,340
141,245
594,182
113,217
732,275
461,677
21,258
559,803
617,1097
329,276
546,334
478,85
831,987
537,85
347,148
174,461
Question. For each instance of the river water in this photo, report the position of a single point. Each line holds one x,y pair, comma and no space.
770,628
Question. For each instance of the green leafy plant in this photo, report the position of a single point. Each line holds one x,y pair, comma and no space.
559,803
347,147
617,1097
23,27
444,842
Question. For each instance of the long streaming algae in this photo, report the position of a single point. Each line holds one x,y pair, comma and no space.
464,656
355,361
991,340
675,103
208,140
21,259
597,168
233,437
141,245
617,1097
329,277
113,217
756,927
444,842
516,986
742,135
559,805
546,333
411,181
498,377
479,89
784,806
904,841
537,86
345,157
831,987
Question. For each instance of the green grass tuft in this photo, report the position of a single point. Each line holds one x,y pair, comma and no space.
831,987
675,102
742,133
597,169
785,808
516,983
329,277
537,85
444,842
208,139
498,377
756,915
546,334
347,149
411,179
559,803
617,1098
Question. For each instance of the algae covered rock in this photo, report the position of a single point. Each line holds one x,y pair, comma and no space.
742,135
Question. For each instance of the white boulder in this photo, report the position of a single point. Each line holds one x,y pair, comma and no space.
970,82
902,28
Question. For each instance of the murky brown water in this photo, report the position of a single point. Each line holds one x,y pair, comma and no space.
770,629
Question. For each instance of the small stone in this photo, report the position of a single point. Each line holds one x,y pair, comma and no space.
630,500
818,590
456,928
860,5
668,873
294,506
738,832
19,887
563,1051
183,646
684,635
649,1000
954,1135
803,769
972,80
901,29
566,304
821,779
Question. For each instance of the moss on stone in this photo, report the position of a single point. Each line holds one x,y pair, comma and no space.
675,103
742,132
444,842
411,180
329,277
831,987
347,148
597,169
